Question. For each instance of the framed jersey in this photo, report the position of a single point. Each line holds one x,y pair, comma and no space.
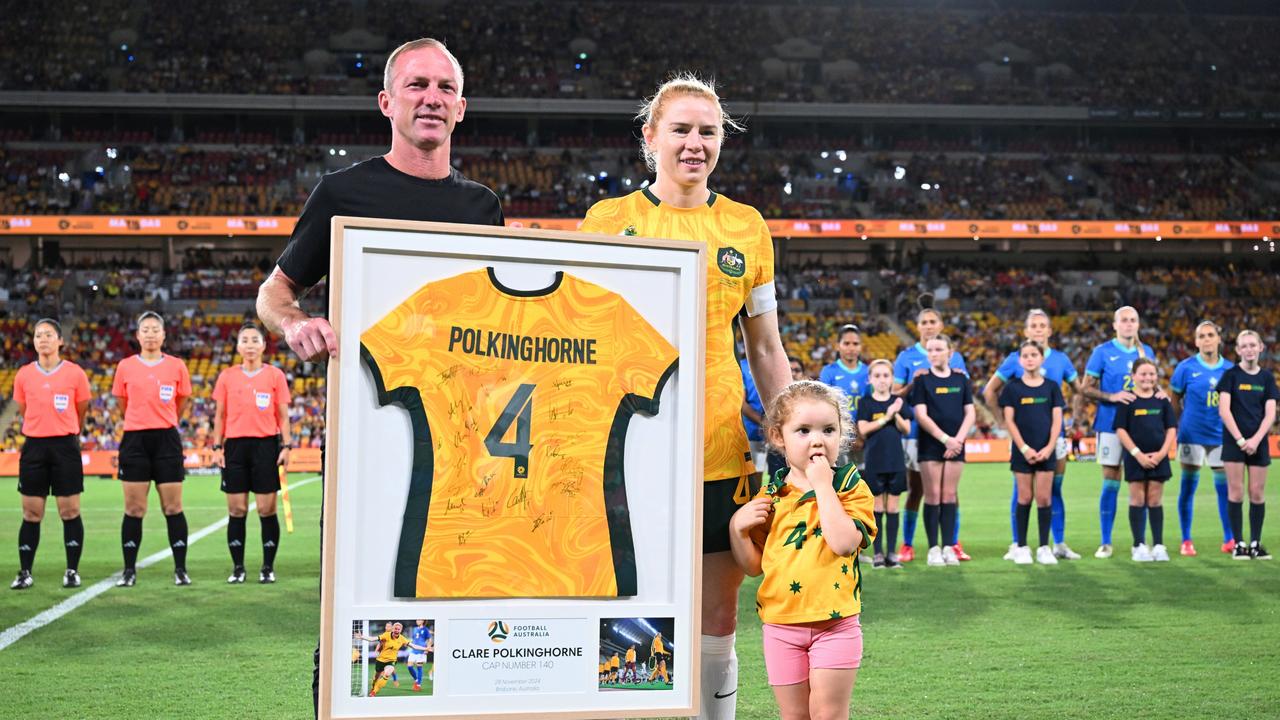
514,428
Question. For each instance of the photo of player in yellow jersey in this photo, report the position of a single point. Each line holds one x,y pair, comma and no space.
375,657
636,654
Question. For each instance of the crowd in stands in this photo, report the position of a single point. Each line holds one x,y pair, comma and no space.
837,52
983,307
1228,183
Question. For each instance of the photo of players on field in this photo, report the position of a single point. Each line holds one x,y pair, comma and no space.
383,652
636,654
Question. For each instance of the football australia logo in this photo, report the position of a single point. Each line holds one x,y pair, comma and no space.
731,262
498,631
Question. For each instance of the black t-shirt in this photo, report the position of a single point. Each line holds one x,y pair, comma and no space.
944,398
1032,409
374,189
1147,421
1249,396
883,450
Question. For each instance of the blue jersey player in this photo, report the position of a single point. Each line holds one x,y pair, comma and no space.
1108,382
1195,398
913,362
419,646
1057,369
848,372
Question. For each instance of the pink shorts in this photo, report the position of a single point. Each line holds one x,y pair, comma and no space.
791,651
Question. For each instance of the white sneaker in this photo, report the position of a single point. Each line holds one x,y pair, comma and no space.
1062,552
1140,553
1104,552
1022,555
935,557
1160,553
949,556
1046,556
1012,552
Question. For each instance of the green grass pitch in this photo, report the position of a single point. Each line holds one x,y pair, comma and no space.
1099,639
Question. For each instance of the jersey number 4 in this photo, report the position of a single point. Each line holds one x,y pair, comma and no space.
519,410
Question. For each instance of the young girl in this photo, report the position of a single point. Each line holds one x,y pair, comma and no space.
1033,413
883,420
1147,431
943,403
803,531
1247,404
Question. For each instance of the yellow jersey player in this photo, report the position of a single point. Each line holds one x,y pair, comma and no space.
683,129
630,666
520,402
389,646
659,651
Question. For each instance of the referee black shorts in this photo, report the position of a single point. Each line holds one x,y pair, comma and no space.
251,465
147,455
720,500
51,465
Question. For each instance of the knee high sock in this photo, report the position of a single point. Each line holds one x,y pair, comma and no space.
130,540
931,513
719,678
73,541
1220,487
1024,516
891,531
177,524
1236,510
235,539
1059,522
28,541
909,518
877,546
1156,514
1138,523
1044,518
950,520
1107,508
270,539
1257,511
1013,512
1187,500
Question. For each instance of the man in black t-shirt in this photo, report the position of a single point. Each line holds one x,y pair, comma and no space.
422,97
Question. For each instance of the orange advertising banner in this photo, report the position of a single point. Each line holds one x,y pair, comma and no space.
987,451
103,462
227,225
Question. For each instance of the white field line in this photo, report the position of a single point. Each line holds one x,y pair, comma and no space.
17,632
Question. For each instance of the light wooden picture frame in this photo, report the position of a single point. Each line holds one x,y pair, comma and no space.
531,654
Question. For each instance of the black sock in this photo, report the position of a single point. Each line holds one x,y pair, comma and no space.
948,513
131,540
178,539
891,530
1138,523
876,546
931,523
1044,518
28,541
1235,510
1024,516
73,540
270,539
235,539
1156,514
1257,511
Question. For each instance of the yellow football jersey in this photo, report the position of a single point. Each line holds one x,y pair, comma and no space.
739,277
520,403
391,646
631,655
614,662
804,581
656,647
